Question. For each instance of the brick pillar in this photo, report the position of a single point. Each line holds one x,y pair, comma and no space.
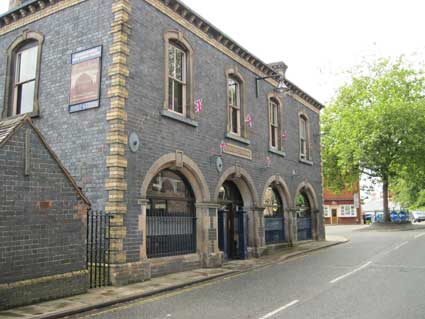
116,162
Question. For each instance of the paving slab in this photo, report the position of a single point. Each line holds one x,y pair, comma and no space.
108,296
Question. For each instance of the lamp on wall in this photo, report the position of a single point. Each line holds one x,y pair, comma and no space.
280,88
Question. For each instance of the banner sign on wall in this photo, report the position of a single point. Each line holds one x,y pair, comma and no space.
85,79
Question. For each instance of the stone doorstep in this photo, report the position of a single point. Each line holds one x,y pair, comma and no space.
108,296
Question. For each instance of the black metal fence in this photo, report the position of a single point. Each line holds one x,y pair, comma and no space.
304,225
170,234
274,230
98,250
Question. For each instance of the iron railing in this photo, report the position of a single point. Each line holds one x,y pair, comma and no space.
98,249
170,234
274,230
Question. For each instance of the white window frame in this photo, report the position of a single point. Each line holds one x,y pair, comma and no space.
274,125
304,138
347,211
326,211
235,106
17,84
173,78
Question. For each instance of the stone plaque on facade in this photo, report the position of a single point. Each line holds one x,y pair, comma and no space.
238,151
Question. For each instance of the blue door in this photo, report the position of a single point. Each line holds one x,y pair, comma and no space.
222,232
243,234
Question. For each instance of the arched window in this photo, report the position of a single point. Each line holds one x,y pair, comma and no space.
170,216
304,133
234,105
275,126
23,73
236,108
178,74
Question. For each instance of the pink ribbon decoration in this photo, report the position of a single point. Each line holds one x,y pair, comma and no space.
222,146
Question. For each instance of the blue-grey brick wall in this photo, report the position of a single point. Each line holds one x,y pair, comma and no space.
160,135
79,139
42,224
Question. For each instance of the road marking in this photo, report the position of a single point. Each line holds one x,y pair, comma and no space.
400,245
270,314
351,272
419,235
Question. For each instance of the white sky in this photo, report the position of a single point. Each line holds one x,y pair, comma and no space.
318,40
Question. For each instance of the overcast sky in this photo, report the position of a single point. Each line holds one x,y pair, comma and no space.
318,40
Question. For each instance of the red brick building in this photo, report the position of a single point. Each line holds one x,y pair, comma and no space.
344,207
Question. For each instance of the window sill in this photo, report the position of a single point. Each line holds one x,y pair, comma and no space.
29,114
237,138
180,118
307,162
277,152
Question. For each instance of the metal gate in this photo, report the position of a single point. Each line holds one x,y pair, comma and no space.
274,230
98,250
304,225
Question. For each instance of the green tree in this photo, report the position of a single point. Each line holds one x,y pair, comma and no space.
375,126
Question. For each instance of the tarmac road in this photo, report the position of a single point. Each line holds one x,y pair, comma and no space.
376,275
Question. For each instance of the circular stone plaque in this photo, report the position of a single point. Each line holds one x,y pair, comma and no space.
219,164
133,142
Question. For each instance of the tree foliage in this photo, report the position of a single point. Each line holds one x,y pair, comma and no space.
375,126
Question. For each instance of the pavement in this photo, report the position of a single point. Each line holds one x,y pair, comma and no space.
99,298
393,227
375,275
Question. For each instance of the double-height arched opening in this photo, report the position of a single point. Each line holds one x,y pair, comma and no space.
236,197
170,216
276,201
305,206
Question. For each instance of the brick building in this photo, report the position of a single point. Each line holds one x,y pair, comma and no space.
343,207
42,225
200,150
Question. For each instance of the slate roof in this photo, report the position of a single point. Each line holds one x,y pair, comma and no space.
9,126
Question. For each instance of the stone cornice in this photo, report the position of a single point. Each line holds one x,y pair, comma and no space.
32,11
37,9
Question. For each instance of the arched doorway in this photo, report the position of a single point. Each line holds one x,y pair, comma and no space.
232,222
170,216
304,215
274,222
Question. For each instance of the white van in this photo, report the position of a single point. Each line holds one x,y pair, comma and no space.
418,216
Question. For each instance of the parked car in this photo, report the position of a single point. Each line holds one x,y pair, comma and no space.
417,216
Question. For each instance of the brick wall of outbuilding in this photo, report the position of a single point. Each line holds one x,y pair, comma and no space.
42,226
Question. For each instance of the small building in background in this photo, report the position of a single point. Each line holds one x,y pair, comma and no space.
343,207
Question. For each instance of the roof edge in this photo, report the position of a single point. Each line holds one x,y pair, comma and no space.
23,119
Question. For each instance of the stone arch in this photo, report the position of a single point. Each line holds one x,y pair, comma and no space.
314,205
310,192
243,181
184,165
282,188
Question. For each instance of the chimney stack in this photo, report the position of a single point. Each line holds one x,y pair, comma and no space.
14,3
